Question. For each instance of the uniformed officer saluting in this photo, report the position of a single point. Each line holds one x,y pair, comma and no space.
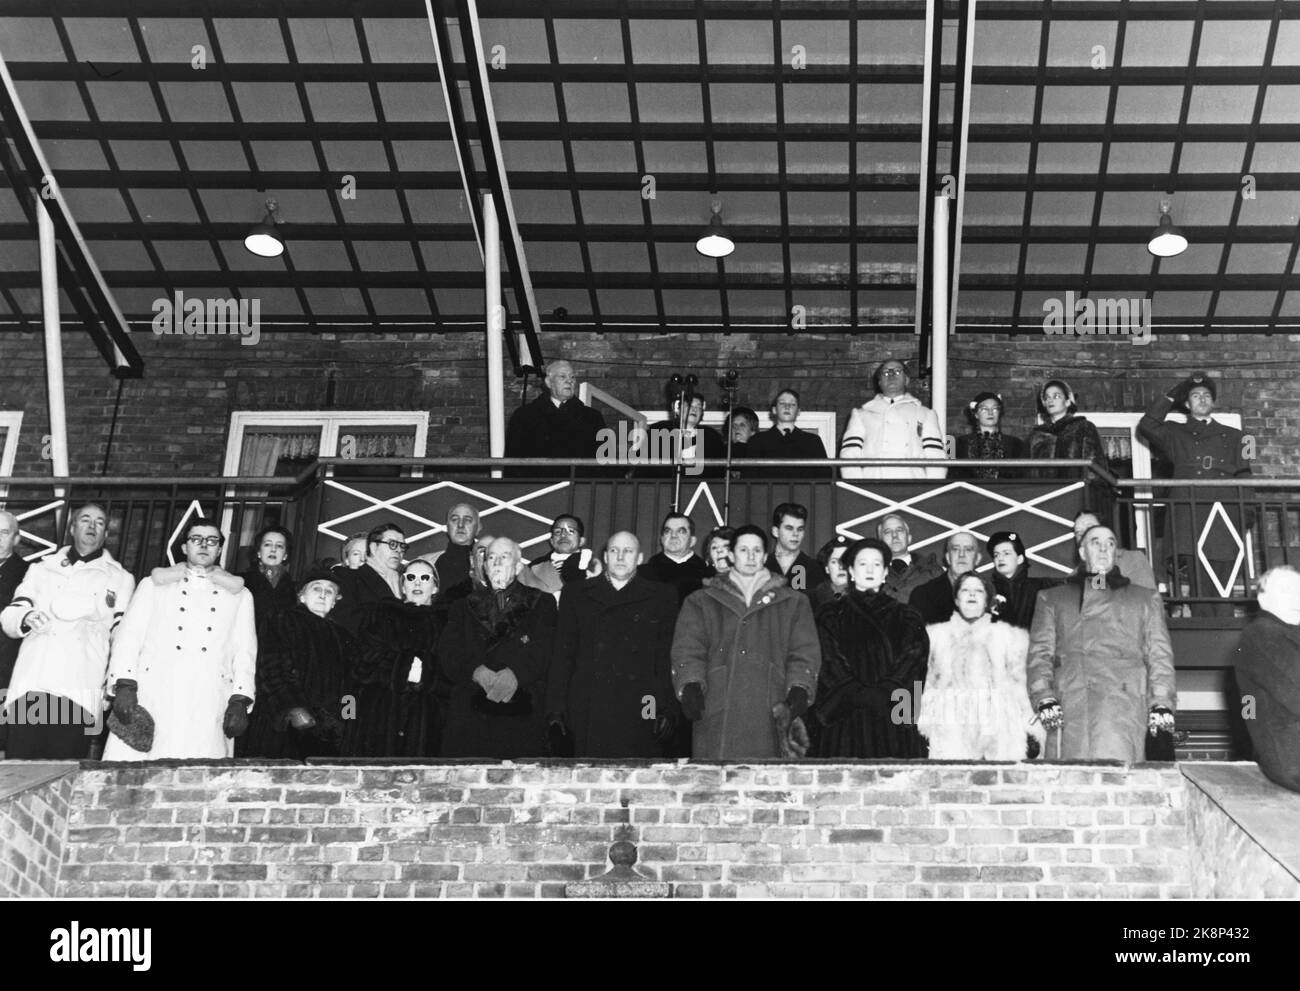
1200,448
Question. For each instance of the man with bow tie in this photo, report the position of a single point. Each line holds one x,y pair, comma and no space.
65,611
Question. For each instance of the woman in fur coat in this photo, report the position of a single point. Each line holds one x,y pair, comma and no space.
1064,434
975,705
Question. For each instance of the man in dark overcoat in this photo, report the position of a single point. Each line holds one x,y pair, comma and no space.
610,683
557,424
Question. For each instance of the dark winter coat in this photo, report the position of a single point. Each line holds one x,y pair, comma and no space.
396,717
747,657
1073,437
875,652
1268,672
797,445
899,584
714,454
1015,597
805,573
512,629
1199,450
977,446
1105,655
611,670
933,600
685,578
540,429
11,576
358,588
303,662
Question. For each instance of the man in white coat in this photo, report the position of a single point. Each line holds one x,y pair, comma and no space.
65,611
186,652
893,424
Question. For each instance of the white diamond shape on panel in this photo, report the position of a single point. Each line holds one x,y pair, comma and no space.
1218,510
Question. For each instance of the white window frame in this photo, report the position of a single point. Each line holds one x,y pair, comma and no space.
328,420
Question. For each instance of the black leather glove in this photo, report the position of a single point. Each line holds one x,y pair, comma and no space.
125,701
236,721
797,700
1032,749
559,742
693,701
663,727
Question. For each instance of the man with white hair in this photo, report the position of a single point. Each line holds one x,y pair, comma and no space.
65,611
1268,674
554,425
495,652
907,570
1101,666
934,600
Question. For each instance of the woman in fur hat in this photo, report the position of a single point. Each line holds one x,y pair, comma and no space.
975,705
986,440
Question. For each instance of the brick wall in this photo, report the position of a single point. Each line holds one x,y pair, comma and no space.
194,383
916,831
1227,860
33,824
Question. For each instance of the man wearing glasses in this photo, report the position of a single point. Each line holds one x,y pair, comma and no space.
64,611
568,560
379,579
186,652
893,424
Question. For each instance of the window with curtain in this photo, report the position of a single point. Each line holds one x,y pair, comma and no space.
268,451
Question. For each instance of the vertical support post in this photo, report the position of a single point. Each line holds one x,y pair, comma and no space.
53,345
495,324
939,314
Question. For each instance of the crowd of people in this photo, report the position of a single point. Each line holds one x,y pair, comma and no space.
745,646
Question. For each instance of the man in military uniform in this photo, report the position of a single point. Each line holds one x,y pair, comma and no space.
1200,448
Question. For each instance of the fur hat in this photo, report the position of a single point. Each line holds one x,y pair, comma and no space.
1006,537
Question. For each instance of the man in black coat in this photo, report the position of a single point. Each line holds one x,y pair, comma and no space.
568,559
789,527
554,425
452,563
1268,673
677,564
934,599
610,691
703,450
1200,448
907,568
12,570
495,652
787,442
1014,591
377,580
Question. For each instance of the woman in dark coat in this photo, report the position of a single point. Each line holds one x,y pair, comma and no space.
874,653
304,667
986,440
1014,592
273,588
498,635
1064,434
401,698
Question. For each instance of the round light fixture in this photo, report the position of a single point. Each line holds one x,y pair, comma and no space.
714,242
1166,240
264,239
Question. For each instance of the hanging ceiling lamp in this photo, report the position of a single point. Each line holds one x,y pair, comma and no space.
1166,240
264,239
715,242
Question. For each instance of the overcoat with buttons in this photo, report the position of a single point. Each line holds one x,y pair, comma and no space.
1199,450
611,672
189,644
748,657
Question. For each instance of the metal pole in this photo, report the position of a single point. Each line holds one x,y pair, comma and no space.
495,324
53,345
939,314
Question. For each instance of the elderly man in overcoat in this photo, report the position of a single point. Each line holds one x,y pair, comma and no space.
745,659
610,684
1101,666
1268,673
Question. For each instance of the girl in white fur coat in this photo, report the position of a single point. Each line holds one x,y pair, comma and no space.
975,705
